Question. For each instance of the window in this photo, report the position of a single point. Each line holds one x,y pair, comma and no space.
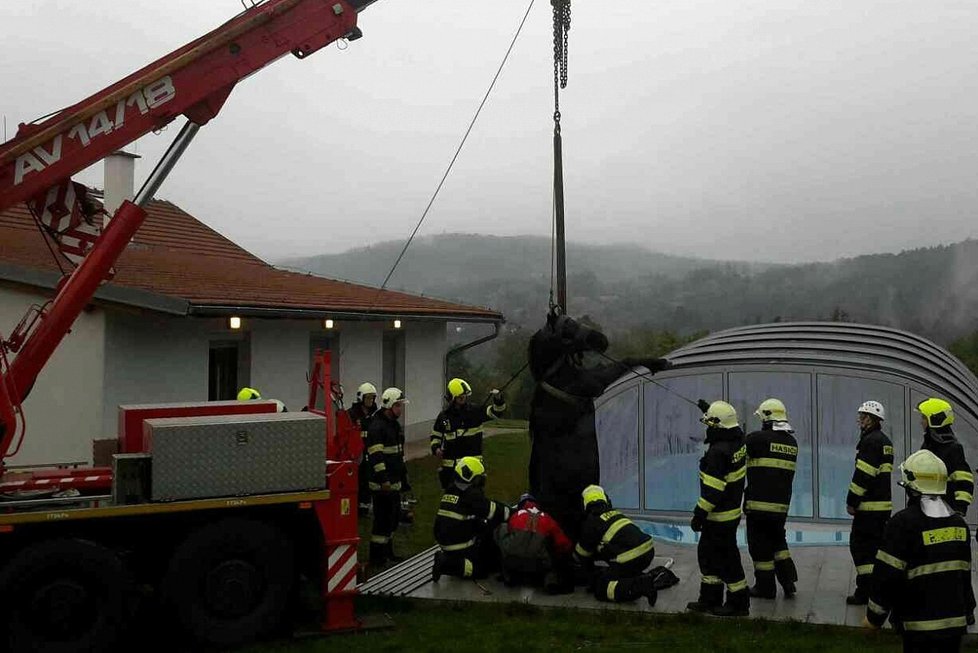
674,440
223,377
616,421
749,389
839,398
393,360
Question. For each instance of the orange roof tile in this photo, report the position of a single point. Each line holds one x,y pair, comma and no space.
175,254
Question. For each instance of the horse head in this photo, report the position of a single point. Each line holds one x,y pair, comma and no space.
562,339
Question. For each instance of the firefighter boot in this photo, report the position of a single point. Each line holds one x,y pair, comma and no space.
787,575
764,587
737,605
437,568
711,596
378,554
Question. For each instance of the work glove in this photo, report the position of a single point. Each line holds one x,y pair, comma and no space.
696,523
497,397
703,405
971,619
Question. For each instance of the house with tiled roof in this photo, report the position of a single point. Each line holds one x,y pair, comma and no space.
191,316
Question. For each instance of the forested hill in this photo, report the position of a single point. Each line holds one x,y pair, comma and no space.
932,291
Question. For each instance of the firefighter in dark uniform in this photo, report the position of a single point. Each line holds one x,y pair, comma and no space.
608,535
385,449
772,454
937,416
360,413
717,514
922,577
464,524
457,431
869,500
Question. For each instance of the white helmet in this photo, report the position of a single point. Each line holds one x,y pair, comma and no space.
366,389
873,408
392,396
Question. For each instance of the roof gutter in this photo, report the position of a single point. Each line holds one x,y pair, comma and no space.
212,310
458,349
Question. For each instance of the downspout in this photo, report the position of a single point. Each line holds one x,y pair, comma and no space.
468,345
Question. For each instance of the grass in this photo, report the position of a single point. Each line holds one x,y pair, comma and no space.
429,626
472,627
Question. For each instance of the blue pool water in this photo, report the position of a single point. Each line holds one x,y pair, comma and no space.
798,534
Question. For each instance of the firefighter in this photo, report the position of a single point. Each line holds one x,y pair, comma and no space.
457,431
360,413
772,454
534,550
869,500
717,514
608,535
922,577
464,524
385,450
936,417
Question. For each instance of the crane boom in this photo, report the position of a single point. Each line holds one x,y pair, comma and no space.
193,81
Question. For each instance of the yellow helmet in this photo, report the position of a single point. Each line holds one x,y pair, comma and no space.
937,411
458,387
593,493
247,394
721,415
772,410
469,468
925,473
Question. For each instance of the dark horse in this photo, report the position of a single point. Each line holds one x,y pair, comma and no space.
564,454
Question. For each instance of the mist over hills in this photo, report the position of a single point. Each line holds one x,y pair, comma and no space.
932,291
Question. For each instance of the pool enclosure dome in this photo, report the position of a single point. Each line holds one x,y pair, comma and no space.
650,438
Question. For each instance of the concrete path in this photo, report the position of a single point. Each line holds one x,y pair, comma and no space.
826,577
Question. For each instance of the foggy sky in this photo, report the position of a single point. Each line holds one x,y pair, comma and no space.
783,130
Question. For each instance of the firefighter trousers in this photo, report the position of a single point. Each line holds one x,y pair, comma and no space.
932,642
720,566
387,514
622,583
865,539
477,561
768,548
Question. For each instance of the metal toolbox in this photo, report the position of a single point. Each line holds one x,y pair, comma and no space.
233,455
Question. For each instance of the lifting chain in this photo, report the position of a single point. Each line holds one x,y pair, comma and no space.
562,16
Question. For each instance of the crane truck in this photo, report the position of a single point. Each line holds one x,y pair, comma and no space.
218,550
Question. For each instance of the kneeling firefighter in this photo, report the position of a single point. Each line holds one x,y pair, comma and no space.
608,535
717,514
464,525
922,576
534,550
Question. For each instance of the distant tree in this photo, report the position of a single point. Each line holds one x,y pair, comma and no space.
966,349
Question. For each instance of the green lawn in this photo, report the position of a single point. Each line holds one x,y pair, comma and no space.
432,626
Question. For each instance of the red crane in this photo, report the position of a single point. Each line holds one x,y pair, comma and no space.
36,166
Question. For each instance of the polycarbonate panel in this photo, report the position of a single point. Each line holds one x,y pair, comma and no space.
618,448
748,389
839,398
965,433
674,439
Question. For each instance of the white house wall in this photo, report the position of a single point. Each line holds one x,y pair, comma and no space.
424,375
361,360
153,358
280,359
64,408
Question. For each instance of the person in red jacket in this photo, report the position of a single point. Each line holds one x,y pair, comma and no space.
534,550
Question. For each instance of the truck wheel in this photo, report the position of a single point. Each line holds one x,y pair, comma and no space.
63,596
230,582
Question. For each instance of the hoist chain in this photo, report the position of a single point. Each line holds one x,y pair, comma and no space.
562,16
